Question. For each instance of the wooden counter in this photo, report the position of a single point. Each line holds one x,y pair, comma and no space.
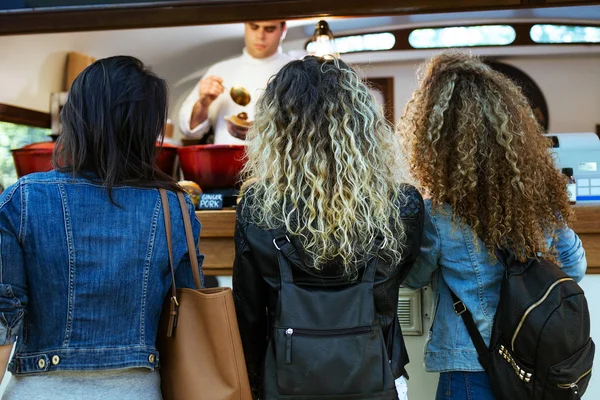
587,227
216,239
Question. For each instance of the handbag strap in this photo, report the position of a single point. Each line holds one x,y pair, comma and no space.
174,304
467,317
189,237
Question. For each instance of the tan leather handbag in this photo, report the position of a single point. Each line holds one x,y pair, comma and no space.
199,343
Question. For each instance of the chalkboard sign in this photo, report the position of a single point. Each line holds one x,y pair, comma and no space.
210,201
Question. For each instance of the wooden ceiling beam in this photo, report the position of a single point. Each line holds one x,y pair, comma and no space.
204,12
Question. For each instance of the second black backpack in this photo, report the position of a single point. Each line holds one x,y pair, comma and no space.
326,341
540,348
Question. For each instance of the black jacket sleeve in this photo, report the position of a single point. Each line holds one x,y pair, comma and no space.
250,294
389,280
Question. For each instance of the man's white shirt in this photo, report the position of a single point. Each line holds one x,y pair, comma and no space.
245,70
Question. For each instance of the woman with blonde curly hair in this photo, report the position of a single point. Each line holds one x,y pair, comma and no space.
478,152
325,234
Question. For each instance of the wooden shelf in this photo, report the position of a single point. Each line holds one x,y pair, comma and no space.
587,227
217,245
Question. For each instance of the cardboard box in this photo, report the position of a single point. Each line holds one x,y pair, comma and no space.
76,62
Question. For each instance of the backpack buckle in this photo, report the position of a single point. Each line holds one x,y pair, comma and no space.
275,241
459,307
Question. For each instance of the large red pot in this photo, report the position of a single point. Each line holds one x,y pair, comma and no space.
37,157
166,158
213,166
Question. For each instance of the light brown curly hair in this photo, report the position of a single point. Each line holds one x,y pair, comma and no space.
474,143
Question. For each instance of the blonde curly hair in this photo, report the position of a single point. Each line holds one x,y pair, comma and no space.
322,161
474,143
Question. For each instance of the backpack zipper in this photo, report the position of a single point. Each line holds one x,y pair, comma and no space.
289,332
532,307
574,384
288,345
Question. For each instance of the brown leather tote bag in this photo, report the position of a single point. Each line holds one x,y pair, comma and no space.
199,343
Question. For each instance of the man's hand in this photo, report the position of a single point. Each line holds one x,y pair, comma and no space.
210,88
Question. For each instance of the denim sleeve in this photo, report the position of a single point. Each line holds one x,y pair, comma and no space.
571,254
13,284
183,274
427,262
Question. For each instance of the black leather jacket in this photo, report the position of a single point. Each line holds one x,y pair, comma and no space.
256,284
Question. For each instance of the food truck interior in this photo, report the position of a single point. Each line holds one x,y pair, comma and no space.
552,48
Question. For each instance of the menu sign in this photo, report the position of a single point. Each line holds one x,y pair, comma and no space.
209,201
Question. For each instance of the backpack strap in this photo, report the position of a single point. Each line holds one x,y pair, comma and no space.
467,317
505,256
284,246
371,267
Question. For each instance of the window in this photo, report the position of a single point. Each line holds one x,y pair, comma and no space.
462,36
546,33
14,136
368,42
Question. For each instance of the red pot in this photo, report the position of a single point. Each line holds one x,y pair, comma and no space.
37,157
213,166
166,158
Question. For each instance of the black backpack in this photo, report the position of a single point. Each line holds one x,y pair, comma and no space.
540,348
326,342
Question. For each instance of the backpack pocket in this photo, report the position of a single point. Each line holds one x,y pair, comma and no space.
340,361
569,378
510,377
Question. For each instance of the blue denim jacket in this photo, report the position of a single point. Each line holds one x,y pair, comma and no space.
450,258
83,281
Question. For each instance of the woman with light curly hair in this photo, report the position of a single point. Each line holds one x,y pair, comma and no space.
325,234
478,152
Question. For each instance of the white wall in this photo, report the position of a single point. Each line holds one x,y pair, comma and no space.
421,385
571,85
32,66
590,285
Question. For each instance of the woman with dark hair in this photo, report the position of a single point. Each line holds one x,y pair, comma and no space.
477,151
325,233
84,261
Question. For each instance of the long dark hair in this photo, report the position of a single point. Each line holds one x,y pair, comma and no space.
115,112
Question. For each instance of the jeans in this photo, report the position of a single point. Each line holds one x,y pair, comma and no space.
460,385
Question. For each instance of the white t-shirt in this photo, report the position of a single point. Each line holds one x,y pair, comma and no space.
245,70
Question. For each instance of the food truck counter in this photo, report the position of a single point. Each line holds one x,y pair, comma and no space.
217,245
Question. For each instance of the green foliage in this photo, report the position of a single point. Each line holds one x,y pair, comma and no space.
13,136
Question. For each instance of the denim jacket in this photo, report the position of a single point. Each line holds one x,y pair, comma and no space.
83,281
450,258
